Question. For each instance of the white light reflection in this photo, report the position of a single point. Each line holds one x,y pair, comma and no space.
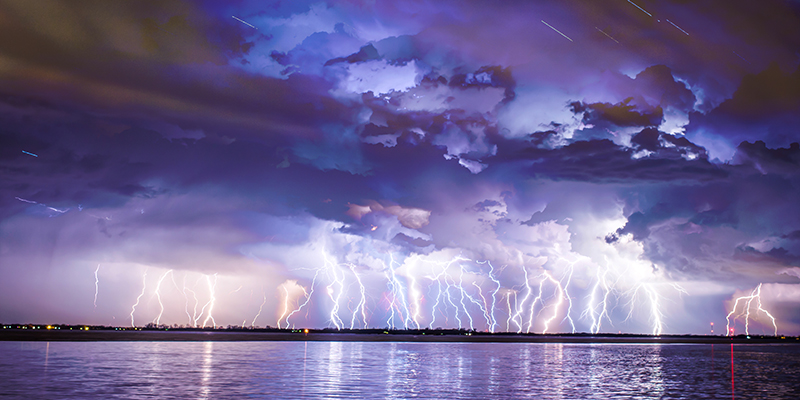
554,365
205,370
334,381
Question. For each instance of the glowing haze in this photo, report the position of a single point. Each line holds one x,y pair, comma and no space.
517,166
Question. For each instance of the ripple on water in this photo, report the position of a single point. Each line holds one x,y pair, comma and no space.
334,370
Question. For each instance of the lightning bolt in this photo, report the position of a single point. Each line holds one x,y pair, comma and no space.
493,327
211,301
537,299
334,316
510,312
464,294
655,311
285,308
157,320
308,298
193,317
559,297
484,307
96,284
398,301
597,318
43,205
569,299
519,306
362,301
755,295
438,297
133,308
416,298
259,312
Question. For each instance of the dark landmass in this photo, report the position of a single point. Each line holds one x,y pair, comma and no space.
85,333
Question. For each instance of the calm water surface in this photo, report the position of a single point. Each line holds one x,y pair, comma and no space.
396,370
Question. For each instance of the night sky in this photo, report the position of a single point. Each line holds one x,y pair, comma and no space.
527,166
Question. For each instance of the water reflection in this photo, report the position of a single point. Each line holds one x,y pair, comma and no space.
205,370
395,370
334,363
392,368
494,374
305,366
553,359
46,356
733,395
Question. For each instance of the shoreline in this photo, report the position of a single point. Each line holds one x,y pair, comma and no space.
393,336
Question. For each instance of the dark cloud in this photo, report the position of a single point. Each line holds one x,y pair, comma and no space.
765,107
606,162
776,256
621,114
487,76
417,244
766,160
794,235
676,222
366,53
658,83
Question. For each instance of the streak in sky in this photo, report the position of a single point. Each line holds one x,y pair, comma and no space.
559,32
678,27
243,22
640,8
607,35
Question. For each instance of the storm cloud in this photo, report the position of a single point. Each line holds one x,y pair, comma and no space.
399,145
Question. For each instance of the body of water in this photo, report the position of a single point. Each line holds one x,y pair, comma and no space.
371,370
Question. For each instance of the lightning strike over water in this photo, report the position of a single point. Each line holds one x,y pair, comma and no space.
568,316
493,327
285,308
653,299
559,301
510,311
144,286
305,303
192,318
655,311
528,290
398,300
211,302
332,293
157,320
538,298
469,172
464,294
361,302
96,284
260,308
755,296
591,310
